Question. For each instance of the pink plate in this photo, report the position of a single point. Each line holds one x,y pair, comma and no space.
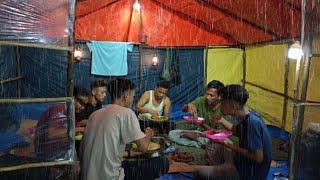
192,120
217,134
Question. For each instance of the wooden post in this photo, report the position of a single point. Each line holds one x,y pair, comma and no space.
244,68
308,29
18,71
206,66
71,21
285,91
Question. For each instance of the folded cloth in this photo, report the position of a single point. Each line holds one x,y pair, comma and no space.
174,136
109,58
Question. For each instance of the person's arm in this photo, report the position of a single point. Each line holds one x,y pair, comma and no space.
142,101
143,143
256,155
191,135
228,125
191,108
167,107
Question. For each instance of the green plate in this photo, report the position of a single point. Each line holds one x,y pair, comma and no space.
161,119
78,137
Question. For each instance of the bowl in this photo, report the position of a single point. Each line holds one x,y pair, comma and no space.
192,120
217,134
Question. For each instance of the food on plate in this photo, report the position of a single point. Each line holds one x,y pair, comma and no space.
152,146
182,156
159,118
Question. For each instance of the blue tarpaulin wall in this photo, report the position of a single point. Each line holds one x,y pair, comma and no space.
44,72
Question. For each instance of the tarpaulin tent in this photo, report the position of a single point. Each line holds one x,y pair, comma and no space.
253,39
188,22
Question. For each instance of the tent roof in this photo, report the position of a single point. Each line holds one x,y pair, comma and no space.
188,22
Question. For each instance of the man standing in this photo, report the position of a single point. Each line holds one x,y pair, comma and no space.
155,103
253,155
108,131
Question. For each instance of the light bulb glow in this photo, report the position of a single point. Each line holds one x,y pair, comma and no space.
295,51
154,61
136,6
77,54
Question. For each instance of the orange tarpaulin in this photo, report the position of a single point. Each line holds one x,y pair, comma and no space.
188,22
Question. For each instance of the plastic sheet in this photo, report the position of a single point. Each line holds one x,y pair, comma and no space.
188,22
36,134
35,21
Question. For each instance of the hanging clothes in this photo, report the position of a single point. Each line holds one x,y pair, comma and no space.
109,58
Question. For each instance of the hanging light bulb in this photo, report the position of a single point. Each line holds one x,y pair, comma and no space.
155,60
295,51
136,5
77,54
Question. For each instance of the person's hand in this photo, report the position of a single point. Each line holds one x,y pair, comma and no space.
216,118
82,122
189,135
149,131
193,110
219,142
154,114
80,129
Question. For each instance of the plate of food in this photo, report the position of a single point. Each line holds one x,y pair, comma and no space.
159,118
182,156
217,134
194,120
152,146
78,137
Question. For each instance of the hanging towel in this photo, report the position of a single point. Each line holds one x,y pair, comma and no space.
166,67
109,58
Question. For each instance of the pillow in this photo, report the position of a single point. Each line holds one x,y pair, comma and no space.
27,130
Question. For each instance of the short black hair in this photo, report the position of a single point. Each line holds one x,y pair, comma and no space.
98,83
79,94
80,91
163,84
215,84
118,86
234,92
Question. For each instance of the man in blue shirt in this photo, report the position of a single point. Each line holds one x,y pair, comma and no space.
253,155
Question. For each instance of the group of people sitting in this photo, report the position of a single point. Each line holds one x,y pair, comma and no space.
108,129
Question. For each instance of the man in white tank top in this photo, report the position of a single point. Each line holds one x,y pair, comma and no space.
155,103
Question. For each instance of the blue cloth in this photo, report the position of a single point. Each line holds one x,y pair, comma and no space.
177,176
9,141
282,169
109,58
253,135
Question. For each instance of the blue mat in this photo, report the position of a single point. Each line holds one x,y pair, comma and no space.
177,176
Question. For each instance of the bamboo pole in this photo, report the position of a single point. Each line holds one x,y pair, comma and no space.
71,22
285,91
308,27
244,68
35,165
37,100
18,71
35,45
206,66
10,79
